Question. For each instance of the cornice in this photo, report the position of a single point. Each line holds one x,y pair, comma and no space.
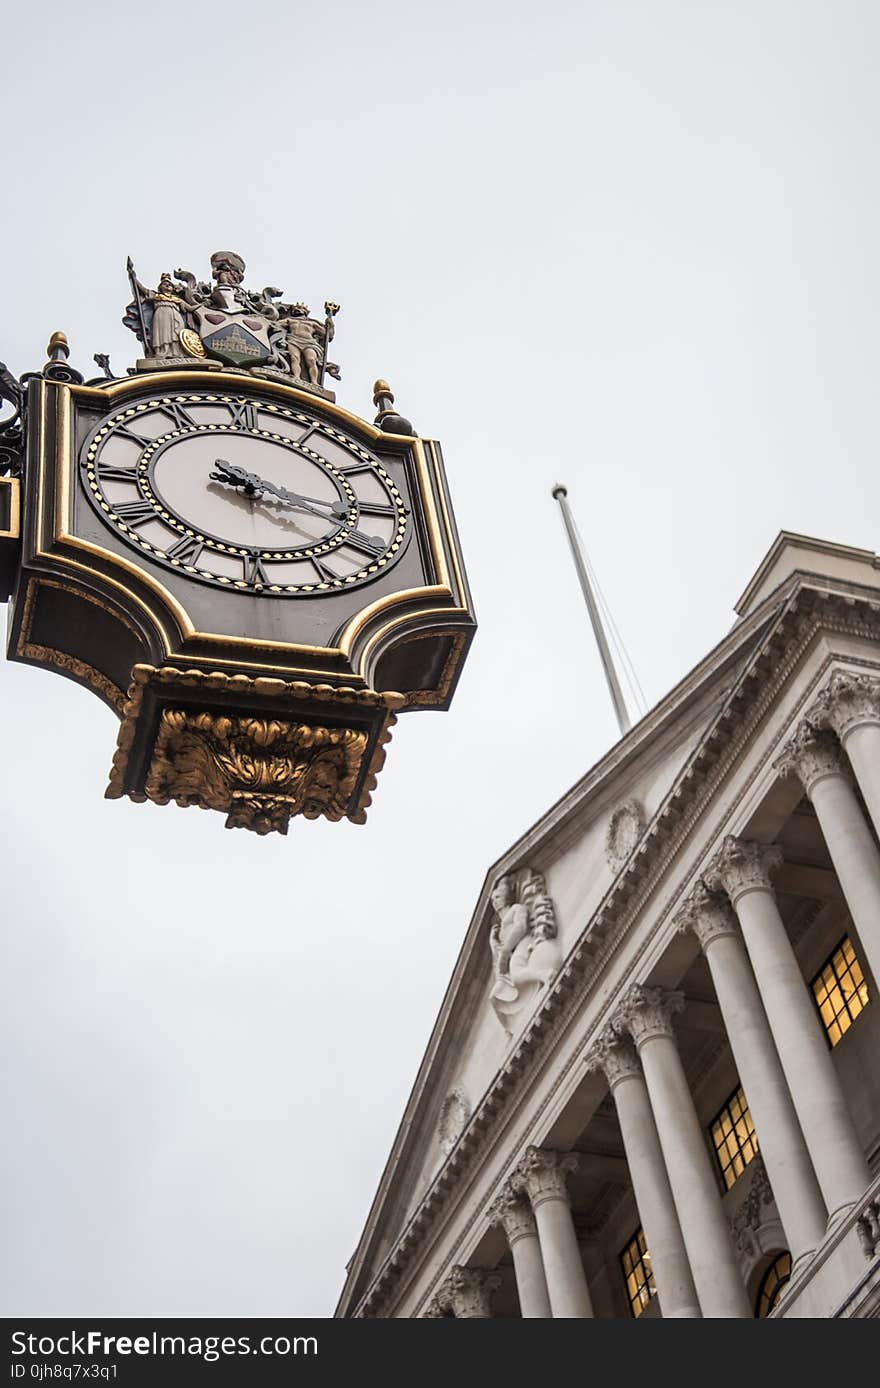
784,636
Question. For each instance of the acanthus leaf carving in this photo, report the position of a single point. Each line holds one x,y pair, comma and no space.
708,914
512,1211
614,1055
466,1293
742,865
810,755
259,771
846,702
647,1013
542,1174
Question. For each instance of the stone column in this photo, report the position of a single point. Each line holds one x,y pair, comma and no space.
742,869
789,1169
466,1293
815,759
669,1262
646,1013
541,1175
850,706
514,1214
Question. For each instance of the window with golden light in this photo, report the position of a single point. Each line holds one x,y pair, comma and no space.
840,990
734,1137
635,1261
773,1284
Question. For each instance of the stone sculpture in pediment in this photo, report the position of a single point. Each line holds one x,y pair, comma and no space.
522,939
625,828
454,1114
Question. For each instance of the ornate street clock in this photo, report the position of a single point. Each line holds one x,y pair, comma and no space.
255,580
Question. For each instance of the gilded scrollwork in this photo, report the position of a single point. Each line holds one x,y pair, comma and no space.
259,771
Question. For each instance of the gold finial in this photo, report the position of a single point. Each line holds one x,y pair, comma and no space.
381,388
58,349
388,420
56,368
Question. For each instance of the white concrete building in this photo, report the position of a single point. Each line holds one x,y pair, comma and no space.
653,1087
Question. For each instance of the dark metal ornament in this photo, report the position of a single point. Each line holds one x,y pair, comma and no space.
255,580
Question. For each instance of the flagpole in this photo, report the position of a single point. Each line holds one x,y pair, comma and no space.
560,494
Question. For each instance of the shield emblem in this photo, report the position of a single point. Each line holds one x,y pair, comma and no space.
239,339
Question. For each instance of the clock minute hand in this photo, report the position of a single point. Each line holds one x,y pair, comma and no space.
253,485
338,509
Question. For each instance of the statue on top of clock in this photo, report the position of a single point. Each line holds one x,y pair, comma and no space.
185,322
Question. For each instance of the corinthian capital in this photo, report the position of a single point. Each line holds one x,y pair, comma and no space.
541,1174
846,702
810,755
708,914
467,1292
647,1012
614,1056
742,866
512,1211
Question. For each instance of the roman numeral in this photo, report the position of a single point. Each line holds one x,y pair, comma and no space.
324,572
135,512
370,508
356,467
122,431
181,417
187,550
254,572
117,472
365,544
243,413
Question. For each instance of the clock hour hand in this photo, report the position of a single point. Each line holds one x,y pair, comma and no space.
253,485
236,476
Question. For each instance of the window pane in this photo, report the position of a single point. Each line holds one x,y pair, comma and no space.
840,990
733,1137
635,1262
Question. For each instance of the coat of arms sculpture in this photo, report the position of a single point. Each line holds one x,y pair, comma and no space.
184,322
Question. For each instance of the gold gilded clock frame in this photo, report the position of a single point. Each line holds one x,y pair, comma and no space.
273,678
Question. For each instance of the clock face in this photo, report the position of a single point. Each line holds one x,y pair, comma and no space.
245,494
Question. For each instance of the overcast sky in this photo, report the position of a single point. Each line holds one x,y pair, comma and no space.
631,246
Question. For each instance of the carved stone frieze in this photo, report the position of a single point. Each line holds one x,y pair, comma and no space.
466,1293
614,1055
749,1217
646,1013
542,1174
846,702
625,827
454,1114
741,866
708,914
810,755
522,940
513,1213
868,1229
259,771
